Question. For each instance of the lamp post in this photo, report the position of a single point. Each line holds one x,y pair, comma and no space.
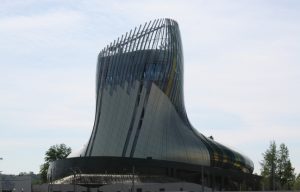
132,187
0,182
1,178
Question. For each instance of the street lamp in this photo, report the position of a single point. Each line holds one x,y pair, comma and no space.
1,178
0,182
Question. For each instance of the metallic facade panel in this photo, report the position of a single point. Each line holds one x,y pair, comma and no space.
140,110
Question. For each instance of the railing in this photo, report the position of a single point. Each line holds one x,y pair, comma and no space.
105,179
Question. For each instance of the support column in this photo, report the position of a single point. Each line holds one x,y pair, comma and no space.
202,178
213,181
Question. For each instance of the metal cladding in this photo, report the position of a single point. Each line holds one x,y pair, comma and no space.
140,110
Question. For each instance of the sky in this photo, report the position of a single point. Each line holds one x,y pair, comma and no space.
241,75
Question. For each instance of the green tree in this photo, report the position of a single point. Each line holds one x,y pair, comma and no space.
297,183
54,153
268,167
35,178
276,168
285,170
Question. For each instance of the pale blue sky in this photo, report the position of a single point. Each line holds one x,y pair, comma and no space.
242,71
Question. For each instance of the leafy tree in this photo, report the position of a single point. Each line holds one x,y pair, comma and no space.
35,178
43,171
276,168
297,183
54,153
285,170
268,167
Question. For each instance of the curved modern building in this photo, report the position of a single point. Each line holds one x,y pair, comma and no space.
140,118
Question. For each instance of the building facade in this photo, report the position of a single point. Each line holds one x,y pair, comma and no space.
140,119
15,183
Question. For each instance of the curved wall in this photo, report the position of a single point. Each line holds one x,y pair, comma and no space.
140,109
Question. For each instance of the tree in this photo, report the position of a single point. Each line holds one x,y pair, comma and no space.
268,167
35,178
297,183
276,168
285,170
54,153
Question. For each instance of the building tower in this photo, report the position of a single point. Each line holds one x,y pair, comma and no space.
140,116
